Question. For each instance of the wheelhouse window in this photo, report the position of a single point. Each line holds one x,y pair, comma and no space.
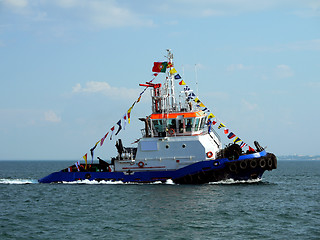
171,124
157,125
189,123
204,120
196,126
181,125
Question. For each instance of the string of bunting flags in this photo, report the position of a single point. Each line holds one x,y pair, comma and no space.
161,67
212,119
121,125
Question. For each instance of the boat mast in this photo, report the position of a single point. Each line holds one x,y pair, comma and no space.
170,84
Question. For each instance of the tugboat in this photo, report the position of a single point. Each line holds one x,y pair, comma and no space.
178,144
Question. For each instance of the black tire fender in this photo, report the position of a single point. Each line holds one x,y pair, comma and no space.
253,163
270,163
243,165
262,163
233,167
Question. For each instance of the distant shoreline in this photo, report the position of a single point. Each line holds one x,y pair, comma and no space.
280,158
299,157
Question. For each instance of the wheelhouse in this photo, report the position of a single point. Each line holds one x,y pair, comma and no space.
177,124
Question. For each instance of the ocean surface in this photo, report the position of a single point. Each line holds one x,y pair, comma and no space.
285,204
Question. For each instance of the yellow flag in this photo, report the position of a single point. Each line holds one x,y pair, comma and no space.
197,100
202,105
173,71
182,83
211,115
128,114
85,159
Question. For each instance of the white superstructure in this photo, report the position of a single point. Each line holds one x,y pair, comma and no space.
175,134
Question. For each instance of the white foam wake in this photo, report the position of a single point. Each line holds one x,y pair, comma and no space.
93,182
17,181
231,181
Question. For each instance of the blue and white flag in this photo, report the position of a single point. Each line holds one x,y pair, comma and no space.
177,76
119,123
78,165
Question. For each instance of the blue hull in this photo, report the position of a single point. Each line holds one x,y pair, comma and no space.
250,166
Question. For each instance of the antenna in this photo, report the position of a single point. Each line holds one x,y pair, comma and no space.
195,69
169,85
183,71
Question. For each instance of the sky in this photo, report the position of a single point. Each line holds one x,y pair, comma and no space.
70,69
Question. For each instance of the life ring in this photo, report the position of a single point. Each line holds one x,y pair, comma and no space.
270,163
233,167
262,163
274,160
171,131
243,164
141,164
209,154
253,163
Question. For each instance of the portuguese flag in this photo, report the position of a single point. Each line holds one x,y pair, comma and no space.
159,67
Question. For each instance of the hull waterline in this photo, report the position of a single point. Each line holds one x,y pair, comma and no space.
247,167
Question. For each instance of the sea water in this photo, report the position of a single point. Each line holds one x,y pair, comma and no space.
284,204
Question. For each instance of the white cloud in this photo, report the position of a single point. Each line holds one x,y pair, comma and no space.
116,13
51,116
311,9
283,71
93,13
20,7
105,14
249,106
313,84
313,44
307,45
16,3
108,14
237,67
213,8
106,89
68,3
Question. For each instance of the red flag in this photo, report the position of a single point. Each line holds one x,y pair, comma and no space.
102,139
243,144
251,149
159,67
182,82
112,129
231,135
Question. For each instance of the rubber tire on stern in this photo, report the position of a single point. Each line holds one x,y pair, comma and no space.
233,167
262,163
243,165
253,163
